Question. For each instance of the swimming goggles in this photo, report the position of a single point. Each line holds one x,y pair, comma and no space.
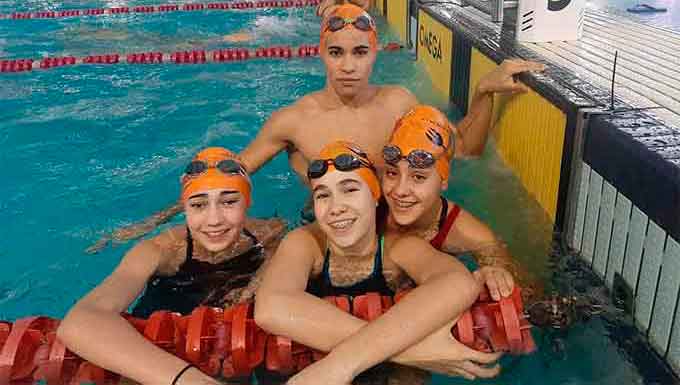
342,162
227,166
362,23
416,158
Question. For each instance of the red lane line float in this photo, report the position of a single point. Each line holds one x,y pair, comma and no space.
20,65
73,13
99,59
189,7
179,57
227,342
247,341
25,347
168,8
188,57
119,10
145,58
61,364
371,306
218,6
491,326
50,62
201,336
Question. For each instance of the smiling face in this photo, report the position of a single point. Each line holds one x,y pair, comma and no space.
216,217
349,60
345,209
411,193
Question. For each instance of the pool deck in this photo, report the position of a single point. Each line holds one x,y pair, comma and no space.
648,64
646,117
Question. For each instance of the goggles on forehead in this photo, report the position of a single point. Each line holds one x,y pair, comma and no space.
362,23
342,162
416,158
226,166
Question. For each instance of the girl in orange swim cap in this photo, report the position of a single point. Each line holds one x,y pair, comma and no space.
417,168
210,260
343,254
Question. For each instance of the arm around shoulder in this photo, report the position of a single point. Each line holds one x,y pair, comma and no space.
427,266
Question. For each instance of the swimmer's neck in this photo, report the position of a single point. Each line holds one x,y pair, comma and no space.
364,248
365,96
428,221
239,246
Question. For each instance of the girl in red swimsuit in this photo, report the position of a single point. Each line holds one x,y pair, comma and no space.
417,165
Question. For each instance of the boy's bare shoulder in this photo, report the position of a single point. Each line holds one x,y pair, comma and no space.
292,115
396,91
397,98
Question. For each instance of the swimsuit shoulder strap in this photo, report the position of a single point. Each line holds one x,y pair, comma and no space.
445,226
444,212
190,246
325,270
378,264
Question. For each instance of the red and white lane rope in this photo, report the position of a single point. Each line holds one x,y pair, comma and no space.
178,57
147,9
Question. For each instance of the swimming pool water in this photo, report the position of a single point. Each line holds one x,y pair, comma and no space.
91,148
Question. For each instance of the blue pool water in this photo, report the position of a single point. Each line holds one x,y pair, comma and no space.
91,148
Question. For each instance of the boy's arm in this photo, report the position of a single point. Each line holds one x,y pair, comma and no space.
271,140
474,128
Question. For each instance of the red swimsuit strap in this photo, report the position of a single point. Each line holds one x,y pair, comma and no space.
438,241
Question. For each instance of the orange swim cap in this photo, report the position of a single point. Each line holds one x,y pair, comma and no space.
349,13
213,178
333,149
426,128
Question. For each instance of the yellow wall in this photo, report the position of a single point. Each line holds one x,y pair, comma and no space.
397,16
529,133
435,51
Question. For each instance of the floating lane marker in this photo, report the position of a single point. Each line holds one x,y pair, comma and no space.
190,7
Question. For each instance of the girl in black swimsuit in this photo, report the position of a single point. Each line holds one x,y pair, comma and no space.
343,253
211,260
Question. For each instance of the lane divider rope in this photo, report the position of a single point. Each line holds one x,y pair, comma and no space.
190,7
177,57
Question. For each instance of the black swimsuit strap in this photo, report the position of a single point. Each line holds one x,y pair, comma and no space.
190,246
377,264
445,210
